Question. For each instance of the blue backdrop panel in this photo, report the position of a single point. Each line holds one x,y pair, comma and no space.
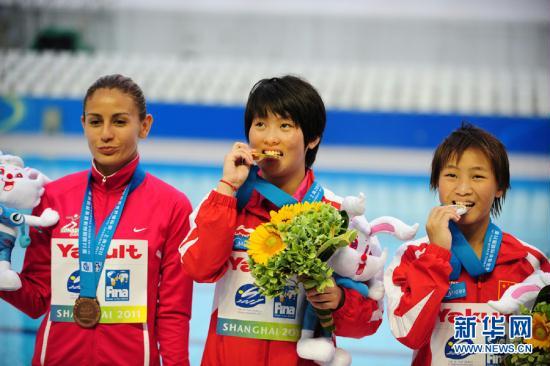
356,128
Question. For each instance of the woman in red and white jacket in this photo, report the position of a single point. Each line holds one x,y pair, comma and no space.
144,296
466,260
284,117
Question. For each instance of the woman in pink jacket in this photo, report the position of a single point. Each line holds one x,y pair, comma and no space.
107,277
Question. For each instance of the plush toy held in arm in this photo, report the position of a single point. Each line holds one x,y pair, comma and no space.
523,293
358,266
20,190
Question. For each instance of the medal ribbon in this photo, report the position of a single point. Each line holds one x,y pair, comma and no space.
92,249
273,193
462,254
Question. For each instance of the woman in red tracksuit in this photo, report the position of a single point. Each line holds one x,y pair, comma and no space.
430,282
144,297
284,117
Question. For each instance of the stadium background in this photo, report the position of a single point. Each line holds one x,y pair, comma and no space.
396,77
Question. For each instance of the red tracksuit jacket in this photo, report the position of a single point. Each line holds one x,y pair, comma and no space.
206,254
417,281
154,212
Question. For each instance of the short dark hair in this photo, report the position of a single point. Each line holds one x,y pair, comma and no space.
125,85
289,97
470,136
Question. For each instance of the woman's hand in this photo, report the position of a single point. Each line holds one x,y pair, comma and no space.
236,166
329,299
437,226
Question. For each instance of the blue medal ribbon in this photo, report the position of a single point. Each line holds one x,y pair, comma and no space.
273,193
462,254
92,249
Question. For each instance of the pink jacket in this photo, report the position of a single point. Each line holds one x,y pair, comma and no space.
155,212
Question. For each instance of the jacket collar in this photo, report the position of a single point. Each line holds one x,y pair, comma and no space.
510,250
304,186
261,206
119,179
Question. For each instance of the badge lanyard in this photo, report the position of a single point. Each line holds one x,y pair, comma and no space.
273,193
93,249
462,253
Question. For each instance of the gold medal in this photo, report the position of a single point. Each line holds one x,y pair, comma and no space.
86,312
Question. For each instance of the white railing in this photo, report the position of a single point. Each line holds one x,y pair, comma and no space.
424,88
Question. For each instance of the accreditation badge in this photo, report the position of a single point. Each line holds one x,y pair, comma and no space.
122,288
244,312
443,341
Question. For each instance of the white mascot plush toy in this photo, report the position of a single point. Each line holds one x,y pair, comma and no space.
20,190
359,266
523,293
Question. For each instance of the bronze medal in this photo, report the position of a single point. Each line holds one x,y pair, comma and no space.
86,312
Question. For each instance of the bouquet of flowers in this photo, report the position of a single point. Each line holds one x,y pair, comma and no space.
540,339
294,246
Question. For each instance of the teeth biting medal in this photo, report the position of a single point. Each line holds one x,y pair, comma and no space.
461,207
266,154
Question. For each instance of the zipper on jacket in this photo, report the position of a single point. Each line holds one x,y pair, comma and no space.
267,353
479,279
94,347
103,180
105,212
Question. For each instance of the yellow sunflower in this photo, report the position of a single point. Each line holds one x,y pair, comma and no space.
264,243
287,212
541,332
